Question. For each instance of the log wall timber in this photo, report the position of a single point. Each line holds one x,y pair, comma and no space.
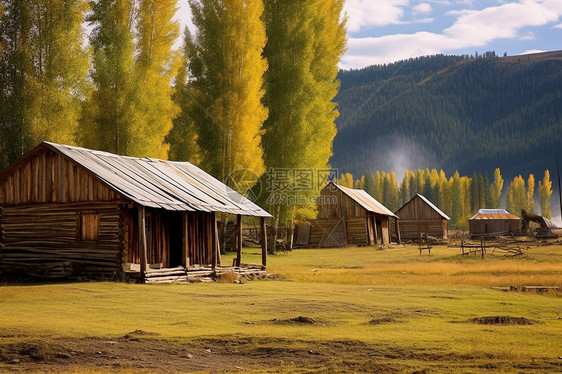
35,235
357,231
417,217
174,238
497,226
48,177
411,229
336,232
334,204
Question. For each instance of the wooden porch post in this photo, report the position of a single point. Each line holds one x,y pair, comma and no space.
375,232
142,240
263,242
215,242
238,240
397,227
185,241
367,230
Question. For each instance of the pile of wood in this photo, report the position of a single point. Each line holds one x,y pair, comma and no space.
196,274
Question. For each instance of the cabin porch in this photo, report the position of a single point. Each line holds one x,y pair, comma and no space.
169,246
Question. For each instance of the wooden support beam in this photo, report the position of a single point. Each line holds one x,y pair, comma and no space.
238,240
375,232
367,230
185,241
397,227
263,229
142,240
214,240
217,243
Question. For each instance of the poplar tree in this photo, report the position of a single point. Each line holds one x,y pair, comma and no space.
155,66
530,205
545,191
43,71
496,189
183,135
110,115
516,196
226,69
370,184
305,40
444,200
14,66
457,206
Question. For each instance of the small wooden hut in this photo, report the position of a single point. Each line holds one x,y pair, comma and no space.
349,216
420,216
69,211
494,221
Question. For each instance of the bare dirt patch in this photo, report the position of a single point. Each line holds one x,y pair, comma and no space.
502,320
143,352
300,320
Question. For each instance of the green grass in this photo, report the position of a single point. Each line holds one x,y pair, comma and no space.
424,303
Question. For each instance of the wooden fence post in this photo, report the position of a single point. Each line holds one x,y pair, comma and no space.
238,240
263,242
142,240
185,241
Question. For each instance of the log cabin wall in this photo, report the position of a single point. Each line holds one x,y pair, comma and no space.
412,229
88,237
48,177
55,211
334,204
497,226
360,225
417,217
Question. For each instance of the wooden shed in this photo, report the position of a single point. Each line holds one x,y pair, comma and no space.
494,221
420,216
69,211
349,216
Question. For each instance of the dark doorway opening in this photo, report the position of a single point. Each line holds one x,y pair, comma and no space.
176,239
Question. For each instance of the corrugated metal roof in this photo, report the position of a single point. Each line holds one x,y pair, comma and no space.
365,200
493,214
162,184
433,206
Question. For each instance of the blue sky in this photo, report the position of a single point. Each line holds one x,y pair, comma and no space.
383,31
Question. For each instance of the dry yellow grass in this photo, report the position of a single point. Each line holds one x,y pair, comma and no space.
540,266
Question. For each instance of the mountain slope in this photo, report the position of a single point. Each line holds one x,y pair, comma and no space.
452,112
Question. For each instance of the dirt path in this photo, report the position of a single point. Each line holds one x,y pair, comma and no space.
140,352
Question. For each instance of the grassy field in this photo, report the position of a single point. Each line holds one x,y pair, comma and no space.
364,310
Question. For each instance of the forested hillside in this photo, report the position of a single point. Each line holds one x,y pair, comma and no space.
470,114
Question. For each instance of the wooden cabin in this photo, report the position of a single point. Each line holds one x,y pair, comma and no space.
349,216
77,212
494,221
420,216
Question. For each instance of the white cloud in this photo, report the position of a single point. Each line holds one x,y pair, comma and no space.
477,28
369,51
367,13
558,26
473,28
424,8
424,20
531,51
528,36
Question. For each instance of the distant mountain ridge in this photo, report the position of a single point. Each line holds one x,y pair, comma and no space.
470,114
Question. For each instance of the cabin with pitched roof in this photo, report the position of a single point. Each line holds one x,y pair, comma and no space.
420,216
348,216
74,212
494,221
